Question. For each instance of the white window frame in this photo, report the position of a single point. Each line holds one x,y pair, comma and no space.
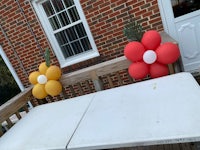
64,62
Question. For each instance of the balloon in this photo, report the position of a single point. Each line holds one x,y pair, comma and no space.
158,70
149,57
151,40
53,87
33,77
138,70
38,91
134,51
42,79
168,53
43,68
53,73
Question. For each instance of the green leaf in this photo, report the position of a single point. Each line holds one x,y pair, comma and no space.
133,31
47,57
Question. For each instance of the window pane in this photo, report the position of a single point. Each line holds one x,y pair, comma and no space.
182,7
65,45
61,38
80,30
64,19
77,47
67,51
71,34
48,8
68,3
86,44
73,40
58,5
74,14
8,86
54,23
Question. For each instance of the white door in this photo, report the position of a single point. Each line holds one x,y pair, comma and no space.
181,20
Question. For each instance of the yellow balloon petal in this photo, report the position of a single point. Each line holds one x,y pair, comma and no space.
39,92
33,77
53,87
53,73
43,68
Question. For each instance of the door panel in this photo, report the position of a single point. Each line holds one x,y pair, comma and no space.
181,20
188,36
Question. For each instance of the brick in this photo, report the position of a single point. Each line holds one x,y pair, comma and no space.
106,19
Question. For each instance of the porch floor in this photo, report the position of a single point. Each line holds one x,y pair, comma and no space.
182,146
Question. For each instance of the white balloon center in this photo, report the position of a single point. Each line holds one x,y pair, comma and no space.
42,79
149,57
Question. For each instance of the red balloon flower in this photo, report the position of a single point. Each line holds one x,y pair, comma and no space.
150,57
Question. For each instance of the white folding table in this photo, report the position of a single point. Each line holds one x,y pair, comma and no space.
47,127
158,111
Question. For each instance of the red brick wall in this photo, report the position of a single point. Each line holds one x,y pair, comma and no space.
106,19
19,43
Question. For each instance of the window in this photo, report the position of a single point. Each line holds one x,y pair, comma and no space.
182,7
67,30
10,84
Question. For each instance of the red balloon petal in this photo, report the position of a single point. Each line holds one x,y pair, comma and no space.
167,53
158,70
138,70
134,51
151,40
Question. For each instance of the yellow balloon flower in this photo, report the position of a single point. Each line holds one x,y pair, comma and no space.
45,81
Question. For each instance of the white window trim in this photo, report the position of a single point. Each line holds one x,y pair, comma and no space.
49,32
